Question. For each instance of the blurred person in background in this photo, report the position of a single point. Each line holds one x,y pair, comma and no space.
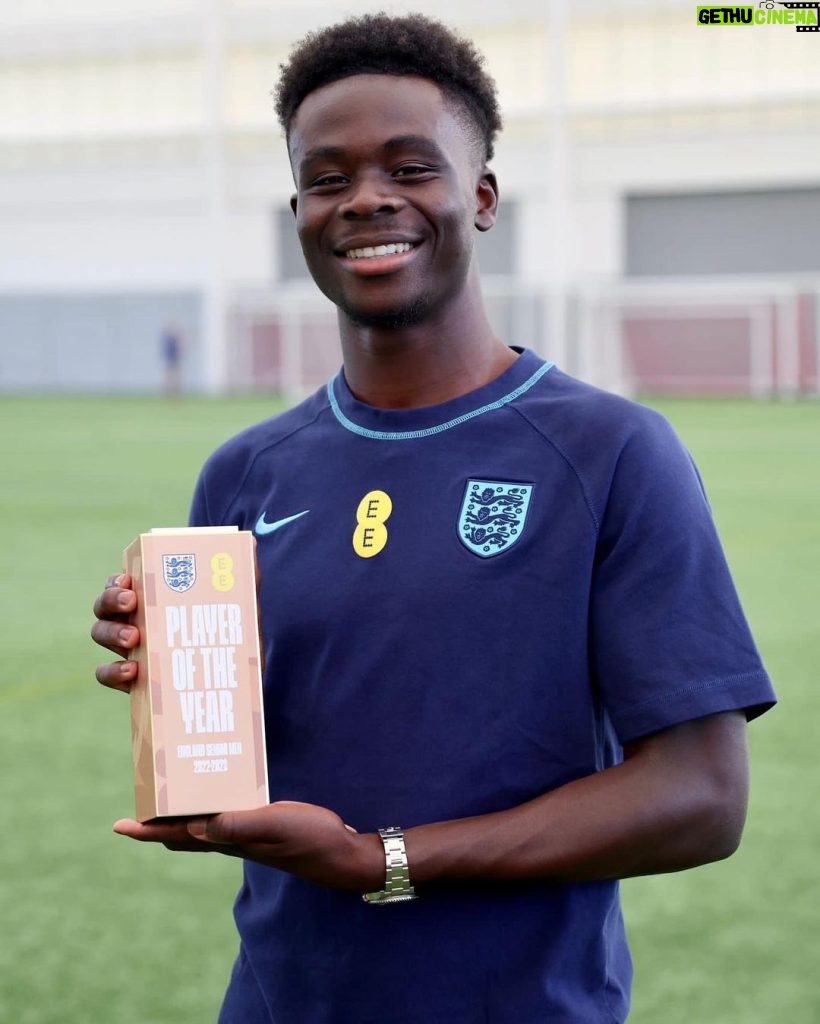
171,349
506,665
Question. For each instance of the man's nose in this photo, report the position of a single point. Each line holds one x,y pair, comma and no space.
370,195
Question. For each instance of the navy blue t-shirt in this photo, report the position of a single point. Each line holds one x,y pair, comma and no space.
465,606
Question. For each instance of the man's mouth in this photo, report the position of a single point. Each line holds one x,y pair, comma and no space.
371,251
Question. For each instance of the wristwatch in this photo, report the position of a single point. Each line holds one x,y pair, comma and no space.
397,887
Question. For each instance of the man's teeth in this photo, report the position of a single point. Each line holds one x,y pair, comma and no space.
378,250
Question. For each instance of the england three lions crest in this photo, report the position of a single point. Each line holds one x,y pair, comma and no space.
179,572
493,516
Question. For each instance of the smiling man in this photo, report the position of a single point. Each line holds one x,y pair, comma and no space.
505,662
396,249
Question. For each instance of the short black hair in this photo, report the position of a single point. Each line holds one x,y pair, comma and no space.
381,44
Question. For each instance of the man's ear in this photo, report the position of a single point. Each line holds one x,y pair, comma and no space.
486,194
293,203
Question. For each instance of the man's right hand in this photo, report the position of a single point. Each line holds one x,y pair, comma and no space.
113,631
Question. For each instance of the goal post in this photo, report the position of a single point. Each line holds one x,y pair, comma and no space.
755,338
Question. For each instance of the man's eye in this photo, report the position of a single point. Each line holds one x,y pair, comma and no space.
411,170
328,179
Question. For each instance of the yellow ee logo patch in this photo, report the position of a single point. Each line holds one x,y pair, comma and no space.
370,536
223,578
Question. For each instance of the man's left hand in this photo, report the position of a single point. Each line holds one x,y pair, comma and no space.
303,839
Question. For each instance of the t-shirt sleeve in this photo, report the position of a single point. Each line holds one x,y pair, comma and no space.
200,514
668,638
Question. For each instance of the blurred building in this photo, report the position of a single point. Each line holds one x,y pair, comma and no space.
660,195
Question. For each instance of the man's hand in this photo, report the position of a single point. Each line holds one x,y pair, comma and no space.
112,631
303,839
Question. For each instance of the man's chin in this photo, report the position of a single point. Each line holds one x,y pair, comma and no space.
410,315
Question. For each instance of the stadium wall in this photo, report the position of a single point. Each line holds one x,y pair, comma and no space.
119,183
91,342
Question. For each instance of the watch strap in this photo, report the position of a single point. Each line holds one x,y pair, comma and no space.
397,887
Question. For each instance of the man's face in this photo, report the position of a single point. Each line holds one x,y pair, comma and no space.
389,192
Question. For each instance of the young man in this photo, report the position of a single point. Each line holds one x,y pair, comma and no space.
494,606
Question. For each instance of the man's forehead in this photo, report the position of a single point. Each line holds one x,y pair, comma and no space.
377,109
395,144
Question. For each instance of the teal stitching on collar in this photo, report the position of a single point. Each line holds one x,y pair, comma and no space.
407,435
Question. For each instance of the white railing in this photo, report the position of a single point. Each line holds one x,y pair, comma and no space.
757,337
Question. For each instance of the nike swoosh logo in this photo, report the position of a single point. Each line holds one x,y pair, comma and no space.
262,527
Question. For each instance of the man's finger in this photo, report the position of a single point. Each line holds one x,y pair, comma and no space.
118,637
235,827
115,601
117,675
220,828
172,831
147,832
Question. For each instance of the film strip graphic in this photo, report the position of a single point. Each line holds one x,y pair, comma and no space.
803,7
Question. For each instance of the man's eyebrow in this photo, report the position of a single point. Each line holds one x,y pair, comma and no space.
322,152
413,142
420,142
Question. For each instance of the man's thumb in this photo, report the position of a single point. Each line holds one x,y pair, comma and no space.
210,830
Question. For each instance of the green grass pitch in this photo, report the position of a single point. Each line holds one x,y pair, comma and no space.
98,929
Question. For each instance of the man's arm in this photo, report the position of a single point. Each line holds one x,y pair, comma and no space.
677,801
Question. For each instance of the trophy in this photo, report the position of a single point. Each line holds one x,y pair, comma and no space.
197,720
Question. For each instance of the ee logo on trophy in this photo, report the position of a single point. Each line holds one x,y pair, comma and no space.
223,578
370,536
